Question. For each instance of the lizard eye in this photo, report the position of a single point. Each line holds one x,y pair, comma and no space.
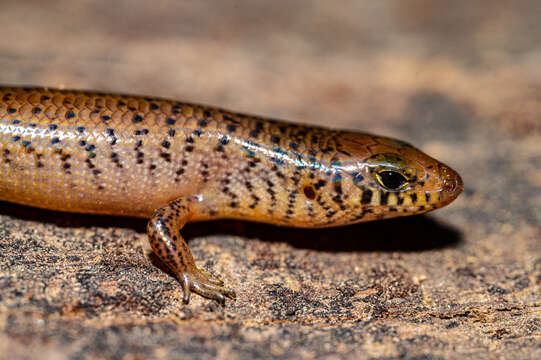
391,180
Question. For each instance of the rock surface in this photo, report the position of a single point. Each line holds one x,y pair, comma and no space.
459,79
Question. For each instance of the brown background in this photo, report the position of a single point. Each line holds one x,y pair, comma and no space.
460,79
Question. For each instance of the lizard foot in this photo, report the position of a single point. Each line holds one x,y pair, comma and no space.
203,283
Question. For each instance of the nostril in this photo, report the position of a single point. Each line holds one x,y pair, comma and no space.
450,185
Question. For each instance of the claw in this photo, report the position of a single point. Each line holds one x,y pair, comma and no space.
230,294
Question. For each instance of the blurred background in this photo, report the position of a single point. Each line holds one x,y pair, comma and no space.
353,64
459,79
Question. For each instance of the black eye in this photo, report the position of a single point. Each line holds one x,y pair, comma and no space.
391,180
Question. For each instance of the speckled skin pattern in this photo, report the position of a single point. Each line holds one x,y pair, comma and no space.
174,162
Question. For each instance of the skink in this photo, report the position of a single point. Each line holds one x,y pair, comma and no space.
174,162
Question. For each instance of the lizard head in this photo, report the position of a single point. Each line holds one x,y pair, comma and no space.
379,177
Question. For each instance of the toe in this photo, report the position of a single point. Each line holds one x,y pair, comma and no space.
211,278
187,288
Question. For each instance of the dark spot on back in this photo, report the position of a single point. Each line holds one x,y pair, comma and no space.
309,192
338,186
320,184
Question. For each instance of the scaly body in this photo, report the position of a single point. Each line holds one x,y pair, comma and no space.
174,162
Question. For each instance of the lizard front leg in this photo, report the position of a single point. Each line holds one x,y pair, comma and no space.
164,235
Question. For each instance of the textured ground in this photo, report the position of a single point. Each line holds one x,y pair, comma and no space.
459,79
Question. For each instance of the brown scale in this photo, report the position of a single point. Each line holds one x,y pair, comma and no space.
174,162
